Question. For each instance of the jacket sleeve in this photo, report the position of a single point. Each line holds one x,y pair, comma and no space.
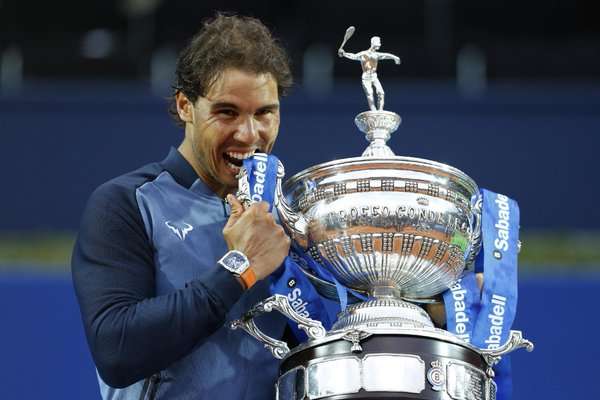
132,333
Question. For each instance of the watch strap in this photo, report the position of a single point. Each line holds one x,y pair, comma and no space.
248,278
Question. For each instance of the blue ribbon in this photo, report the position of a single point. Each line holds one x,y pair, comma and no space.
262,177
323,270
500,228
462,306
489,314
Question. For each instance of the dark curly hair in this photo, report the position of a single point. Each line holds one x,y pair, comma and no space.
228,41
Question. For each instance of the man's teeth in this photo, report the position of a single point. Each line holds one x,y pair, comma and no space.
232,166
240,156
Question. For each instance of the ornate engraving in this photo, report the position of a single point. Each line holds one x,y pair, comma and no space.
515,341
330,249
347,248
304,202
436,376
314,253
411,186
295,223
243,192
425,247
423,218
363,185
455,258
440,252
408,241
340,189
464,382
433,189
423,201
475,231
387,242
492,390
355,336
366,242
387,185
279,349
461,201
320,194
451,196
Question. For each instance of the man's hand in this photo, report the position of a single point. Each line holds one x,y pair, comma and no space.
253,231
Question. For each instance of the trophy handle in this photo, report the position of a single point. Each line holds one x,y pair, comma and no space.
279,349
515,341
476,237
295,223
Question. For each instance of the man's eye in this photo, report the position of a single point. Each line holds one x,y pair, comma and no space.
227,113
264,111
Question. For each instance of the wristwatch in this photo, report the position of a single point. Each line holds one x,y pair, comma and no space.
237,263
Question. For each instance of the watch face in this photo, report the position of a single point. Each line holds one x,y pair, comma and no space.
235,262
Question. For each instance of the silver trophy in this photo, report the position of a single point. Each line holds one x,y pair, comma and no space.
401,230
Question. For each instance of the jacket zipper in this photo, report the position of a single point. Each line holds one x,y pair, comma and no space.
150,387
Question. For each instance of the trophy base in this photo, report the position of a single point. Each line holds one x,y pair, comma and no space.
387,366
365,359
383,313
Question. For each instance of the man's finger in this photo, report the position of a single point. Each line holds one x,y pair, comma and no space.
237,209
479,278
262,206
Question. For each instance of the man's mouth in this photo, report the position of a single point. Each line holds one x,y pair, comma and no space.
236,160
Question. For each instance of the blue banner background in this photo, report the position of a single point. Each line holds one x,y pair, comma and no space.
536,143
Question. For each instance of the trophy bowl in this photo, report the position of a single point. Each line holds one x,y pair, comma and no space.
397,227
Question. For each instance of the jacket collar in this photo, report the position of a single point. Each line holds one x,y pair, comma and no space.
184,173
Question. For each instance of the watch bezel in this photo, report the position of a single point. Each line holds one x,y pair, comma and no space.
237,271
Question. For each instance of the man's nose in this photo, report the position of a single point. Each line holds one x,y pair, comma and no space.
247,131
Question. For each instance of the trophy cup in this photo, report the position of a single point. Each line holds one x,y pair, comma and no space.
400,230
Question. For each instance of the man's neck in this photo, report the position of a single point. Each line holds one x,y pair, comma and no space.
188,153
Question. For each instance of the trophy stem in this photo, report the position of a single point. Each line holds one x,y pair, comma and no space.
385,292
385,311
377,127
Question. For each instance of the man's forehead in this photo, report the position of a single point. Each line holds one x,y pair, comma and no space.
232,82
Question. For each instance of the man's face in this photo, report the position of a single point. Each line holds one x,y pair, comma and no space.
238,116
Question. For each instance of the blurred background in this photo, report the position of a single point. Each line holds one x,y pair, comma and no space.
507,91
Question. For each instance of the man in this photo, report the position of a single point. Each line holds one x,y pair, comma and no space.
368,60
161,261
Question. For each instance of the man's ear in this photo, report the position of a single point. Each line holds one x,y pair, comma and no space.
185,108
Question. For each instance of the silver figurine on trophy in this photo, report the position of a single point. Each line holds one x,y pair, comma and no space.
400,230
377,124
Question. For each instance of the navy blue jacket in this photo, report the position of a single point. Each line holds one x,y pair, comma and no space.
154,303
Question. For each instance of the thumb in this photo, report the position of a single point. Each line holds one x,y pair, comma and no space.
237,209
